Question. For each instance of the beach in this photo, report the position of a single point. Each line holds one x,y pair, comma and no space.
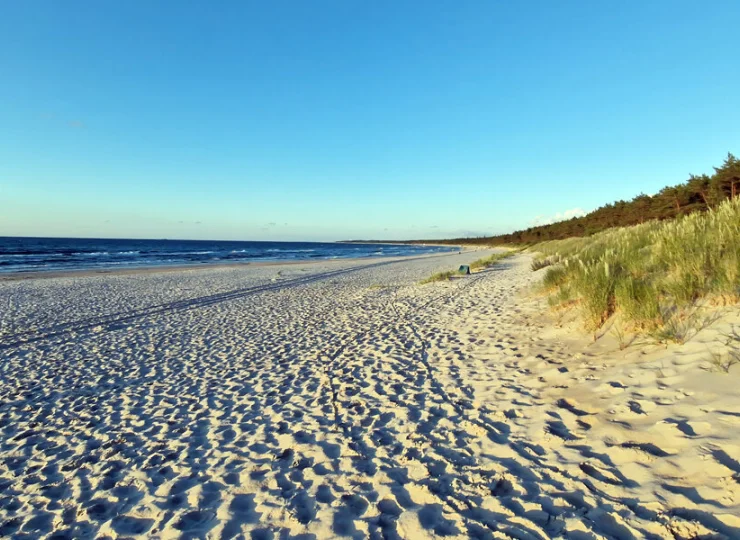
344,399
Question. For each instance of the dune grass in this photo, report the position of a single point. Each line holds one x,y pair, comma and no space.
475,265
439,276
649,274
490,260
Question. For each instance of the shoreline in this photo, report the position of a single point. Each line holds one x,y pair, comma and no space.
31,258
48,274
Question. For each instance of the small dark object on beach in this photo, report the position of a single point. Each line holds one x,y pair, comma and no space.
464,269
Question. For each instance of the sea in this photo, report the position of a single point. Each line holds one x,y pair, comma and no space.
21,254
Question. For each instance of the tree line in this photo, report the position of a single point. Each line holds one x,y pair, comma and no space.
697,194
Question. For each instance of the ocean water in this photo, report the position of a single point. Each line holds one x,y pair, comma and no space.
53,254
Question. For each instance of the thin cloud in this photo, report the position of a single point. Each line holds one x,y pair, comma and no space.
57,119
461,233
560,216
474,234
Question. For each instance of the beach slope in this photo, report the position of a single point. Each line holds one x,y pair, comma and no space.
336,400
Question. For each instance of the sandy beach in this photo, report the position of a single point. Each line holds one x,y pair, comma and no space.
344,399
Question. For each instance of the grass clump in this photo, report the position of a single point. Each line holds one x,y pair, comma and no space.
650,273
554,278
596,283
491,260
439,276
723,362
475,265
675,327
543,262
639,302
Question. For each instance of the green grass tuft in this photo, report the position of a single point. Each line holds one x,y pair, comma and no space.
543,262
639,302
486,262
647,271
554,278
439,276
489,261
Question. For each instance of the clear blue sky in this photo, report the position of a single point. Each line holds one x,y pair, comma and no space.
347,118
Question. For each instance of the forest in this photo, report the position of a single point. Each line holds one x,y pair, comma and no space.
697,194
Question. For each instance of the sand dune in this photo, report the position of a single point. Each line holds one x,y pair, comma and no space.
345,400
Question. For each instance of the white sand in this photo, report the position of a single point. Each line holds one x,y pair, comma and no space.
343,399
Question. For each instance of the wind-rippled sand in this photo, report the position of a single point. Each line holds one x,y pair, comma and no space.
339,400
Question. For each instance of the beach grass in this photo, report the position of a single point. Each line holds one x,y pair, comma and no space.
647,273
485,262
489,261
439,276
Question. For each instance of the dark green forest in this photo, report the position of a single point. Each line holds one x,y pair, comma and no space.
697,194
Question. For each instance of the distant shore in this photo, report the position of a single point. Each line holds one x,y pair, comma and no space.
456,245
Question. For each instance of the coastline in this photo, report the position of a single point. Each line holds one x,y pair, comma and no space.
21,256
154,269
48,274
346,399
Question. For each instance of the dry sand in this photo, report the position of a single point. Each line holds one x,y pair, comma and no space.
345,400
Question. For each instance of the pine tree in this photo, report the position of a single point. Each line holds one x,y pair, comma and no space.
727,177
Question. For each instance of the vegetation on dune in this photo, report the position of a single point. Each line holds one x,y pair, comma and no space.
697,194
651,273
723,362
475,265
439,276
649,260
490,260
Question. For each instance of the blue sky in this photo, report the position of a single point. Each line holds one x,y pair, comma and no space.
347,119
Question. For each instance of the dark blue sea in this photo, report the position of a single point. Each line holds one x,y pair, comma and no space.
53,254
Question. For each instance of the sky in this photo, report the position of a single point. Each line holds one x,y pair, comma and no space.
327,120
